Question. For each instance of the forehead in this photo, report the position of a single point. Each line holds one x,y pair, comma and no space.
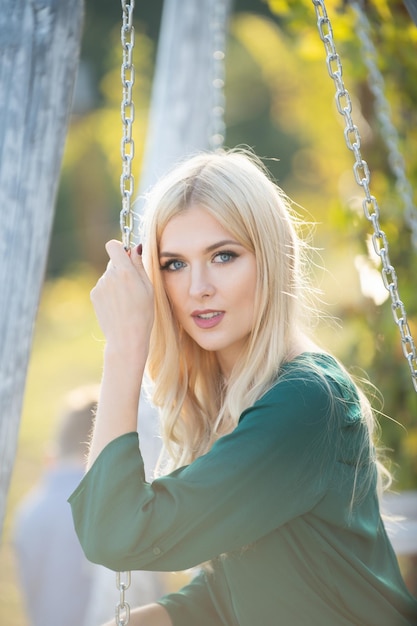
194,225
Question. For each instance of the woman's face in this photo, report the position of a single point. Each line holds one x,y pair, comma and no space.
210,280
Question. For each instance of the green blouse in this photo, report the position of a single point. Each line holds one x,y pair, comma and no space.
270,505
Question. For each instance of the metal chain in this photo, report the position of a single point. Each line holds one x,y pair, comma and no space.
127,186
383,111
218,33
122,612
362,177
127,183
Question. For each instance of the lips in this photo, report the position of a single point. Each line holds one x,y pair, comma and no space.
207,318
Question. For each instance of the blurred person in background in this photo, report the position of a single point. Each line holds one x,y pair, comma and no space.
55,577
59,586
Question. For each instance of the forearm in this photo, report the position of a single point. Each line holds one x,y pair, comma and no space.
150,615
117,408
123,301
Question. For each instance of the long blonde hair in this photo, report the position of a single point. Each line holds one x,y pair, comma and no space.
197,405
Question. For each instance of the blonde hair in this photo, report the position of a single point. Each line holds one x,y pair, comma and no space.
197,405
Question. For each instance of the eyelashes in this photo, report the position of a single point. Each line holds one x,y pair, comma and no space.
224,253
169,265
221,257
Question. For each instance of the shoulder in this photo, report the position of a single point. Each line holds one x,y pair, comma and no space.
308,390
316,375
312,372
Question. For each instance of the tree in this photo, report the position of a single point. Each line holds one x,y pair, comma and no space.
182,116
39,49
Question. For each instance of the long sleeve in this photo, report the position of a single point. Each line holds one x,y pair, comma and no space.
284,507
204,601
276,465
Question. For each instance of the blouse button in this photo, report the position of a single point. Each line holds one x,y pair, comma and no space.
156,550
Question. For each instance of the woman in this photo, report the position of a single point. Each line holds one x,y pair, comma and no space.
273,484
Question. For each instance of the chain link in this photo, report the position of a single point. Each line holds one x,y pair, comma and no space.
362,177
383,112
127,183
127,187
218,33
122,612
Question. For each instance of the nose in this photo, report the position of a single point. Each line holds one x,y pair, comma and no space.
201,285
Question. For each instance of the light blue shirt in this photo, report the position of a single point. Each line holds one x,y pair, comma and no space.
55,575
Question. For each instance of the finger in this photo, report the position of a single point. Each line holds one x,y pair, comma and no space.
117,253
110,265
136,256
121,259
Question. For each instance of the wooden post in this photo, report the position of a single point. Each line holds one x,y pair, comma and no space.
39,52
181,112
412,9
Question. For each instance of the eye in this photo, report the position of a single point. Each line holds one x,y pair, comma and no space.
224,256
173,265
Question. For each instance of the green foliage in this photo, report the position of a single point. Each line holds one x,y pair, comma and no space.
371,339
89,201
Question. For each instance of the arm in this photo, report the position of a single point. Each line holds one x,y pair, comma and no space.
203,601
150,615
123,301
279,459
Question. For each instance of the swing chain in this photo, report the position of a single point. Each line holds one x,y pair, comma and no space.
122,612
218,34
127,186
362,176
382,108
127,183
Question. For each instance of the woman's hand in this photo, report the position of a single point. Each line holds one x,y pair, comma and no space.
123,299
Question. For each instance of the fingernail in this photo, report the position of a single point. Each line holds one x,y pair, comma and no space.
139,249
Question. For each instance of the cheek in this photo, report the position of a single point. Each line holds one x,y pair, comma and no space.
168,284
248,283
250,292
173,293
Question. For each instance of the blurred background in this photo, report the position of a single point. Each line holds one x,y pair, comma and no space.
280,101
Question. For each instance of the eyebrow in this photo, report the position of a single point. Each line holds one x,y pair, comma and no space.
213,246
